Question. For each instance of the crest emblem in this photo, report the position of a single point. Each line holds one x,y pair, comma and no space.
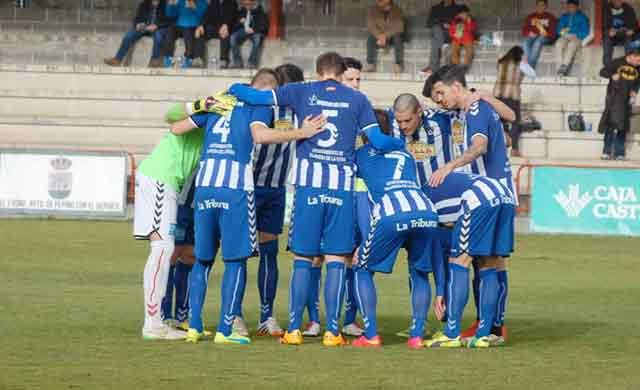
457,129
420,150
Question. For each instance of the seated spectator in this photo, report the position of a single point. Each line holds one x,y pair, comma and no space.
539,29
624,79
217,24
439,20
252,24
150,20
618,26
573,27
508,90
385,23
462,34
187,14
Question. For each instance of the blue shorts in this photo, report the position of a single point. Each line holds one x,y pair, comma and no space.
363,216
225,215
270,205
185,234
484,231
322,222
415,231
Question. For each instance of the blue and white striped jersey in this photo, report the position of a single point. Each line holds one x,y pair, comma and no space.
391,180
327,159
430,144
463,192
272,162
227,153
481,120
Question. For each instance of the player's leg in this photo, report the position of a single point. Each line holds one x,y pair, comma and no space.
475,284
167,301
155,218
184,266
504,247
313,302
270,213
420,303
304,242
365,291
488,301
238,228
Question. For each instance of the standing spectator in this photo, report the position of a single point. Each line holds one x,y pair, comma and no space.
462,34
151,20
385,23
618,26
217,24
252,24
439,20
508,90
572,28
624,81
188,14
539,29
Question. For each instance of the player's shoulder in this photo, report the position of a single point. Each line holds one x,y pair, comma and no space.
436,112
480,108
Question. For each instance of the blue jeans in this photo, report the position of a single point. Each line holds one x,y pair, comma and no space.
132,36
238,38
533,47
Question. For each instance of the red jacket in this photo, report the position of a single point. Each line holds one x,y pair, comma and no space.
462,33
537,23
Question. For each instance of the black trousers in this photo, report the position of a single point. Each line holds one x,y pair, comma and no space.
190,41
514,127
200,47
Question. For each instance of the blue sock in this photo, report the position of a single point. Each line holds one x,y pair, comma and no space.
237,303
350,304
167,301
488,300
234,281
446,290
298,292
334,294
313,302
476,288
268,278
365,291
503,293
198,281
420,301
182,290
458,294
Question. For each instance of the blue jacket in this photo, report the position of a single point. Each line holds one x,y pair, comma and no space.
577,23
187,17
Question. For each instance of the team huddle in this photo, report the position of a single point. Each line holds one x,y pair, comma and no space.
367,183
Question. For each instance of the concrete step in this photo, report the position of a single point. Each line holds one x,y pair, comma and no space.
568,145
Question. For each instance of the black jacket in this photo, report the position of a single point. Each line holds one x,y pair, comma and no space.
259,20
443,14
625,16
220,12
617,110
146,14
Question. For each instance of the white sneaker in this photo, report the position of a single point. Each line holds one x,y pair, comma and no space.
312,329
163,333
240,327
495,341
352,330
270,327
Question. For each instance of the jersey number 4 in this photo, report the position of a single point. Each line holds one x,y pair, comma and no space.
222,127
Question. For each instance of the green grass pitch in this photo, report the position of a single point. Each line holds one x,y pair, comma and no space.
71,311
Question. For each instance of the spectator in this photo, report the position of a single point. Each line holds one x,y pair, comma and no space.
618,26
187,14
439,20
151,20
217,23
539,29
385,23
462,34
572,28
624,80
253,25
507,89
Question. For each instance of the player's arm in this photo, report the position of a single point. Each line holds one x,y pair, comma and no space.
253,96
479,146
188,124
371,128
502,109
311,126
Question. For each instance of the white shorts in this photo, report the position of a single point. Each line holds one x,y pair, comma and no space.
155,209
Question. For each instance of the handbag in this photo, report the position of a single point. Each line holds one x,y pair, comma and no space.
576,122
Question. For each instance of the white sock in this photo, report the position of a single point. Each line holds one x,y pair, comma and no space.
156,273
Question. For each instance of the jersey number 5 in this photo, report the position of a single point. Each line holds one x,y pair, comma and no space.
222,127
333,130
397,173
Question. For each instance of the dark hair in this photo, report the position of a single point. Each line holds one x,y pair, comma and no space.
289,73
452,73
383,121
330,63
264,73
350,62
513,55
427,89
